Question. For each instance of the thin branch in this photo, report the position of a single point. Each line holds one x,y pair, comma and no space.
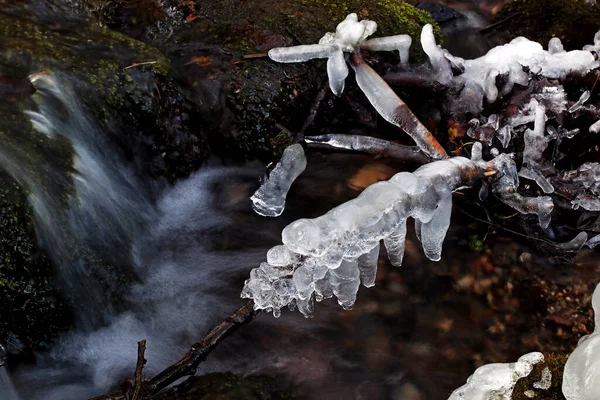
488,28
200,350
138,64
137,391
198,353
312,114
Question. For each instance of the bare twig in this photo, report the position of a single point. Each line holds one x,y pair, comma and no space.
488,28
198,353
313,112
138,64
137,390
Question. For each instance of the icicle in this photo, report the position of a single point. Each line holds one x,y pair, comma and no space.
269,199
535,144
585,96
398,42
392,108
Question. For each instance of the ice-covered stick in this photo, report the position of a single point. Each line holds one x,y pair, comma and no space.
535,144
392,108
369,145
332,254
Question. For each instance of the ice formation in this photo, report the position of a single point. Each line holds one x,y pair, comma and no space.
370,145
393,109
478,77
269,199
581,377
350,34
505,184
496,381
545,380
332,254
535,144
588,174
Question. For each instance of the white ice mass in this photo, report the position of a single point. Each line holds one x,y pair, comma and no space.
581,377
496,381
350,34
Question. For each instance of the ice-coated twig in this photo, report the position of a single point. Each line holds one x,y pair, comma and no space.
581,377
504,185
330,255
496,381
369,145
535,144
392,108
350,34
269,199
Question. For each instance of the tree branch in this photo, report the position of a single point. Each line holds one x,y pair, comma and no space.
198,353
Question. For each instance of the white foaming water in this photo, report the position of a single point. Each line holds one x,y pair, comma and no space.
186,286
7,389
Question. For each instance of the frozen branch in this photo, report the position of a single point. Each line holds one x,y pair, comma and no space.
332,254
369,145
392,108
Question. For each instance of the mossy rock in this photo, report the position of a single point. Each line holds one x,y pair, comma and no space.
30,309
573,21
230,386
555,363
125,84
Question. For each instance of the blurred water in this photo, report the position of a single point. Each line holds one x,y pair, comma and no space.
7,389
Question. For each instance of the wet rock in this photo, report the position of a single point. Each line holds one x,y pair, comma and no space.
31,309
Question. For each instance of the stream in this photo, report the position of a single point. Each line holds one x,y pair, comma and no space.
174,257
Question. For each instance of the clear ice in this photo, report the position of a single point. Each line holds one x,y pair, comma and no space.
496,381
478,78
349,34
581,376
332,254
269,199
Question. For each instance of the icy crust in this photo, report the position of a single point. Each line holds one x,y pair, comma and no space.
350,34
581,377
269,199
332,254
505,184
587,174
496,381
478,78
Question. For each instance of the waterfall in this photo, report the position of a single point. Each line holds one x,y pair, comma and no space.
7,389
88,213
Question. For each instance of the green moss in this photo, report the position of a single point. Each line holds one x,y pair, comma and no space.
573,21
555,363
230,386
